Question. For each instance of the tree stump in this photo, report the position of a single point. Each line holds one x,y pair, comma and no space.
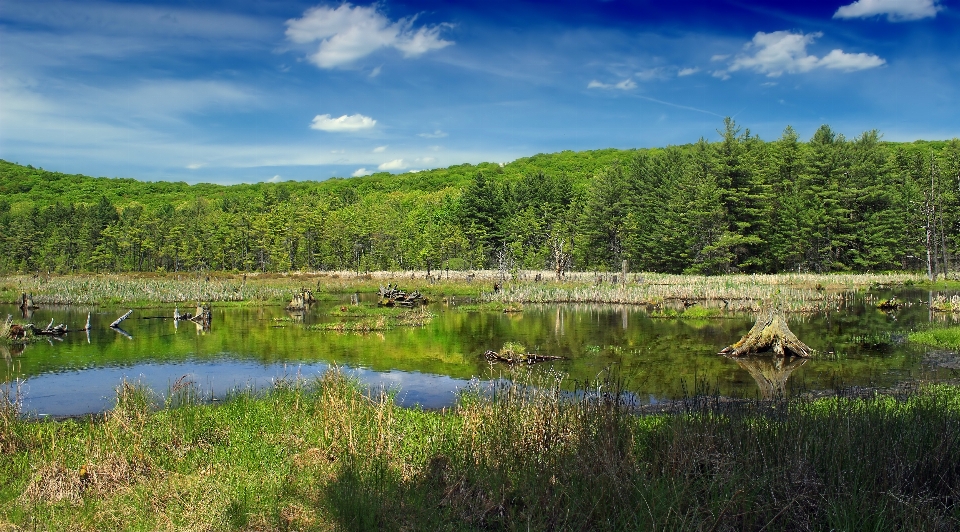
770,333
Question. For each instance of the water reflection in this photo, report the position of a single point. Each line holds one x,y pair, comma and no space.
655,354
771,373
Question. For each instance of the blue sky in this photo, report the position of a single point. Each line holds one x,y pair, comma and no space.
238,91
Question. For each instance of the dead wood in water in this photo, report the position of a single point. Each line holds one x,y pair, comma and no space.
121,318
770,333
510,357
390,296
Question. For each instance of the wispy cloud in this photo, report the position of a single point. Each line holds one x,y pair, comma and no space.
895,10
625,85
347,33
355,122
435,135
380,149
782,52
396,164
687,72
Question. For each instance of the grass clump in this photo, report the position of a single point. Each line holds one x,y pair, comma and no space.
365,319
948,337
520,454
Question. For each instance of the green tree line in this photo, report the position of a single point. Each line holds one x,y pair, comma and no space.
741,204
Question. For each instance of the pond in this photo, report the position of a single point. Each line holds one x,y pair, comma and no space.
658,358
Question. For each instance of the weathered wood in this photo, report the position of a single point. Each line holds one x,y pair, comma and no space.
390,296
121,318
769,333
510,357
26,302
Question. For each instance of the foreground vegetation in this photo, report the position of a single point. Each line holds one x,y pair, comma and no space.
740,204
328,456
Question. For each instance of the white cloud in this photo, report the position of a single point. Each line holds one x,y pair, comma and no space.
651,74
624,85
687,72
380,149
895,10
348,33
361,172
782,52
719,57
355,122
275,179
435,135
396,164
195,166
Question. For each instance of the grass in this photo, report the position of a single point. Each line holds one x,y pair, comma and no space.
362,319
948,337
799,292
521,455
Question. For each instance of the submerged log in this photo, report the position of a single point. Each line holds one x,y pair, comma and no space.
770,333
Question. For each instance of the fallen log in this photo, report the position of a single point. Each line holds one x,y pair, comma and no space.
390,296
769,333
510,357
121,318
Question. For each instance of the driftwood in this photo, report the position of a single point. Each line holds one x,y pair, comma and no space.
121,318
391,296
302,300
770,333
510,357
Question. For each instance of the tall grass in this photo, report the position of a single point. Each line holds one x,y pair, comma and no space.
515,454
736,292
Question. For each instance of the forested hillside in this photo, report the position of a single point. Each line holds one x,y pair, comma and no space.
741,204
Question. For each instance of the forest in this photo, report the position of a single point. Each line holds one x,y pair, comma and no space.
740,204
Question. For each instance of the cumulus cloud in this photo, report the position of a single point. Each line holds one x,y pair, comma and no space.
687,72
435,135
347,33
355,122
895,10
396,164
361,172
782,52
624,85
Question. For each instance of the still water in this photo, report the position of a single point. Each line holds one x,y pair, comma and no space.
659,358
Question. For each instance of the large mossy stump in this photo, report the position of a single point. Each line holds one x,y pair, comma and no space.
769,334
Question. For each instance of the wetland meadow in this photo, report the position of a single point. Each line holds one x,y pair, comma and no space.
348,415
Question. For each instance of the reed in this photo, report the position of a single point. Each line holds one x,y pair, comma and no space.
521,452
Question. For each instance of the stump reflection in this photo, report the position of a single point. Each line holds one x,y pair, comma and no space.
771,373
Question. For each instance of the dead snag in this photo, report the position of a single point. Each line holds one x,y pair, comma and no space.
770,333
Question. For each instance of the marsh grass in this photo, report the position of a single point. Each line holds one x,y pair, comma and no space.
364,319
799,292
948,337
524,452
